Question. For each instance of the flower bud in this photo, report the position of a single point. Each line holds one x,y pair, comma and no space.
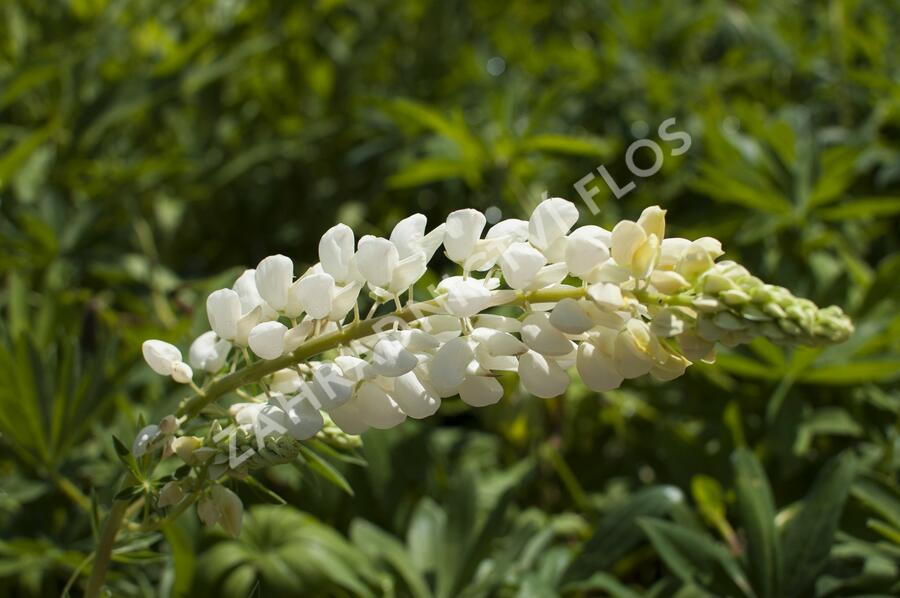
170,494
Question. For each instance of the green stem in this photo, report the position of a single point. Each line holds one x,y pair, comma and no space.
104,548
353,331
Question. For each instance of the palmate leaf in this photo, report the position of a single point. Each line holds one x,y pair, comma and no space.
807,538
284,552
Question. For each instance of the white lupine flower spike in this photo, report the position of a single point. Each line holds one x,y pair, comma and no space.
607,305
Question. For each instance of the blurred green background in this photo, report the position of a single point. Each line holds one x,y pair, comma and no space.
149,149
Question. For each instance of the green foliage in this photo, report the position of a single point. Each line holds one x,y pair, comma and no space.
149,148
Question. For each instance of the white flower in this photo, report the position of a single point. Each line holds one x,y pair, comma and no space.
267,339
295,415
182,373
336,253
390,358
634,350
587,248
571,316
286,381
316,294
550,221
409,237
415,396
512,229
208,352
274,276
542,376
329,387
520,263
245,287
449,365
377,259
223,308
466,297
161,356
597,368
462,232
165,359
349,419
376,407
540,335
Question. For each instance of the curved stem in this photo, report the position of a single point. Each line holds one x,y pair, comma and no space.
104,548
355,330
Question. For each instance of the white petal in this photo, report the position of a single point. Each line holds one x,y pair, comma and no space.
299,333
551,219
343,301
336,251
245,287
377,258
301,419
627,238
569,317
391,359
465,296
498,342
645,258
408,271
182,373
540,335
354,368
549,275
418,341
286,381
267,339
463,230
668,282
497,322
520,263
160,356
671,250
480,391
541,376
512,228
330,388
408,233
653,221
414,398
667,323
485,254
377,408
209,352
587,248
633,356
274,276
448,367
315,293
597,370
247,322
223,308
606,295
349,419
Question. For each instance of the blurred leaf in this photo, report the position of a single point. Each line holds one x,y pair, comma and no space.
807,537
757,512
